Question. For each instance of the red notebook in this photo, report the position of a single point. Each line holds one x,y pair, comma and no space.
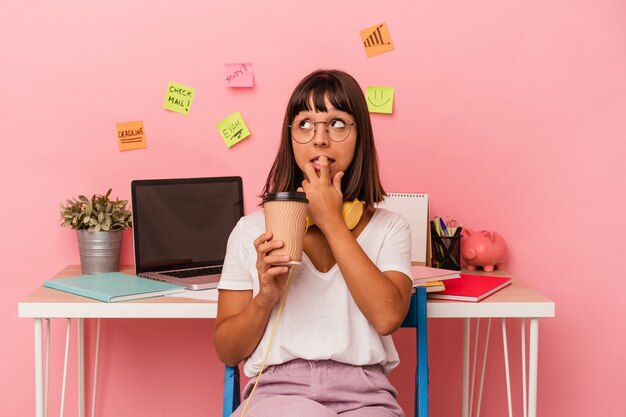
471,287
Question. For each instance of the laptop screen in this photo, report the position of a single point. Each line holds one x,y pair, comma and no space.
183,223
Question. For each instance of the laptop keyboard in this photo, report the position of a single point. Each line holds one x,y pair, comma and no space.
190,273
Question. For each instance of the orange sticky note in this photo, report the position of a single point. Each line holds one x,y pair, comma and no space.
376,40
131,135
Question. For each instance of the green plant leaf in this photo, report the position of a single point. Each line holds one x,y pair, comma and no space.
99,212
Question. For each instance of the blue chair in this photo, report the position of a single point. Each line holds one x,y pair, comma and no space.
416,317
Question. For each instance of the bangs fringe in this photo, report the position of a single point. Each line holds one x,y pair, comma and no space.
311,97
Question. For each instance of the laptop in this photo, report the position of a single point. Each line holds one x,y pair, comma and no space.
181,228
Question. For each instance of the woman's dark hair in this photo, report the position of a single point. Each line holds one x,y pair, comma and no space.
361,179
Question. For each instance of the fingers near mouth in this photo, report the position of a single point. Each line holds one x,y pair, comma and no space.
318,162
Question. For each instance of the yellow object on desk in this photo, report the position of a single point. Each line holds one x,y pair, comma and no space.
433,286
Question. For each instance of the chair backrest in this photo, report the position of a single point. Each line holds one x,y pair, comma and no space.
416,318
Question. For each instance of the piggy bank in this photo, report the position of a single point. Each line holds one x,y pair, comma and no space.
483,248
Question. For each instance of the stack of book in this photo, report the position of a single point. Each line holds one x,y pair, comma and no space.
447,284
432,278
472,288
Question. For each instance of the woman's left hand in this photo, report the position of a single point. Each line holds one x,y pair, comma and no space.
323,192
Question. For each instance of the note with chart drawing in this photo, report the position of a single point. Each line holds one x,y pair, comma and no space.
376,40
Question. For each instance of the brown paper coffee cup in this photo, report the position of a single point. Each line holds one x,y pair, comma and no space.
285,217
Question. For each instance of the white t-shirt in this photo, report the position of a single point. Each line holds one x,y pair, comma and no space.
320,319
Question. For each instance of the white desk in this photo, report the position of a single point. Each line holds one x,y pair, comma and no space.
514,301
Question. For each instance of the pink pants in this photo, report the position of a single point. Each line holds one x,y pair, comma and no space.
302,388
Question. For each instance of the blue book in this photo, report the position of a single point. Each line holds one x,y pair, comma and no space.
113,286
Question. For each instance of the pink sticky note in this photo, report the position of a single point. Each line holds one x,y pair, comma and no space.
238,75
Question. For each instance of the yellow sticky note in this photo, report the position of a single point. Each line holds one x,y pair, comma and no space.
131,135
233,129
376,40
179,98
379,99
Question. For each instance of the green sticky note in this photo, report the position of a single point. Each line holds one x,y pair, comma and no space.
379,99
233,129
179,98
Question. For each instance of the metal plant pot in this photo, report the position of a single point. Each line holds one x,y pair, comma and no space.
99,251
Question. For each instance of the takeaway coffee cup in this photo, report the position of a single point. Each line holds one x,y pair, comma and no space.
285,217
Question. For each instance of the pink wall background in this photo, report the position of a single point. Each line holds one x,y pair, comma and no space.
510,114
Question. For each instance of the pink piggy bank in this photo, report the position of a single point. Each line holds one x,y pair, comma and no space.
484,248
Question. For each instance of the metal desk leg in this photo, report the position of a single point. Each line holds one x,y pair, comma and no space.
466,354
39,409
505,349
81,366
524,372
533,351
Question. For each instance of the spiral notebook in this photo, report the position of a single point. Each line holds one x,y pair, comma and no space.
414,208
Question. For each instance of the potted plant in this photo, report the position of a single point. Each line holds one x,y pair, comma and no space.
99,223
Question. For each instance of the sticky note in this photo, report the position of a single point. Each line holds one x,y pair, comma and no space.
233,129
379,99
238,75
179,98
376,40
131,135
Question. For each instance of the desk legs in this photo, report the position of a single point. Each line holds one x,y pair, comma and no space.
505,349
39,406
81,366
533,352
466,355
40,391
532,367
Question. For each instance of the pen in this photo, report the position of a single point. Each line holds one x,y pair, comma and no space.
457,232
444,229
436,242
437,226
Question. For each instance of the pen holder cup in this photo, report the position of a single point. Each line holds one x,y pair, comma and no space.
446,251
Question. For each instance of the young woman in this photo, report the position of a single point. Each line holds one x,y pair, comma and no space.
331,349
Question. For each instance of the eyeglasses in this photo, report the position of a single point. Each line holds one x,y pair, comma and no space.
303,131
